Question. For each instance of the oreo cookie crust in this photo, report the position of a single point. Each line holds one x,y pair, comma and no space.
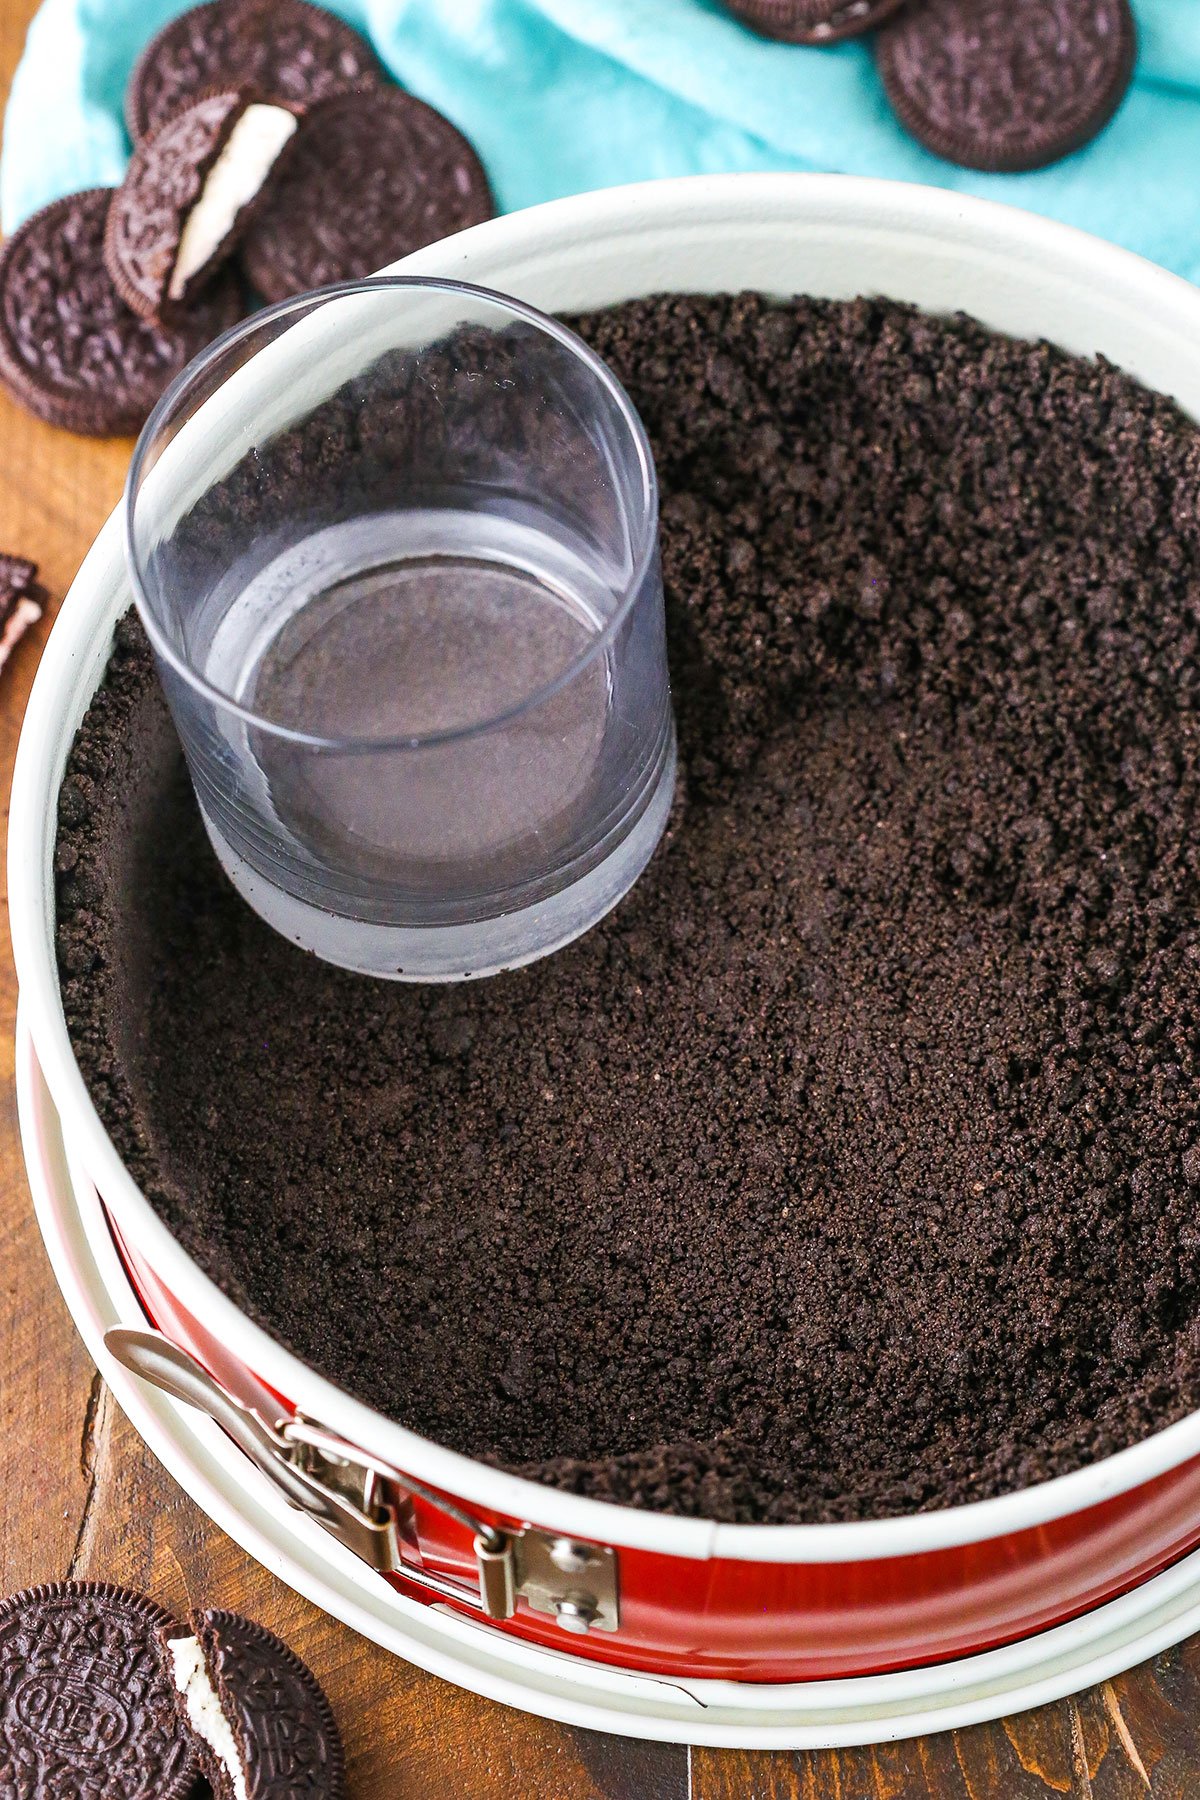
813,21
1007,85
86,1709
850,1167
71,350
291,51
187,195
261,1720
373,176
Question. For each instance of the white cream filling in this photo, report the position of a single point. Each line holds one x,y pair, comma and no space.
204,1709
238,173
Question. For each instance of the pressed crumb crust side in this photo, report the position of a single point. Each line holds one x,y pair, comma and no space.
850,1167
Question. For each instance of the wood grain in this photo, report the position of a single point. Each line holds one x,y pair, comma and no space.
83,1496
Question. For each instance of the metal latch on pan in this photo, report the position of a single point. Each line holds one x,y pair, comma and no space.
344,1490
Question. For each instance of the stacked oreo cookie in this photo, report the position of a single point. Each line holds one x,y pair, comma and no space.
271,155
998,85
104,1694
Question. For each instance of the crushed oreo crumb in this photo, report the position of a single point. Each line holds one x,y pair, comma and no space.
851,1166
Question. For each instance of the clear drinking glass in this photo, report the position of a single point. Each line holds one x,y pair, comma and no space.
395,546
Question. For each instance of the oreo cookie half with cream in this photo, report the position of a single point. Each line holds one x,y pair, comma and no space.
188,195
261,1723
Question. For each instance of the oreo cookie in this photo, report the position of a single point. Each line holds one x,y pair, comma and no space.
1006,85
373,175
189,191
21,600
71,350
813,21
86,1708
292,52
263,1727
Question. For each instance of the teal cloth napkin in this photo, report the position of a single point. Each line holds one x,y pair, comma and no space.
560,96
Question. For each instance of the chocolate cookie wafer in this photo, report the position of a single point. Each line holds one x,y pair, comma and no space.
262,1723
187,196
71,350
289,50
86,1708
1006,85
813,21
373,175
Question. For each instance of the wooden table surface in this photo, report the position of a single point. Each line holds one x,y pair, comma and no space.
83,1496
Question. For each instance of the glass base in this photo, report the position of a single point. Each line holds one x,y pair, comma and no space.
479,947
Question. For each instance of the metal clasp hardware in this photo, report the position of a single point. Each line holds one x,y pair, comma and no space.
343,1497
576,1583
343,1489
573,1581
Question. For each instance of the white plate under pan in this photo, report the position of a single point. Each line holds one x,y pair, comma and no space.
809,1715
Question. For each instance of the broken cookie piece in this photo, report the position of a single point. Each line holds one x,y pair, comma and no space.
188,195
20,601
262,1725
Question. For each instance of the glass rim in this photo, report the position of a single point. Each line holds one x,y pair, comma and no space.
645,536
